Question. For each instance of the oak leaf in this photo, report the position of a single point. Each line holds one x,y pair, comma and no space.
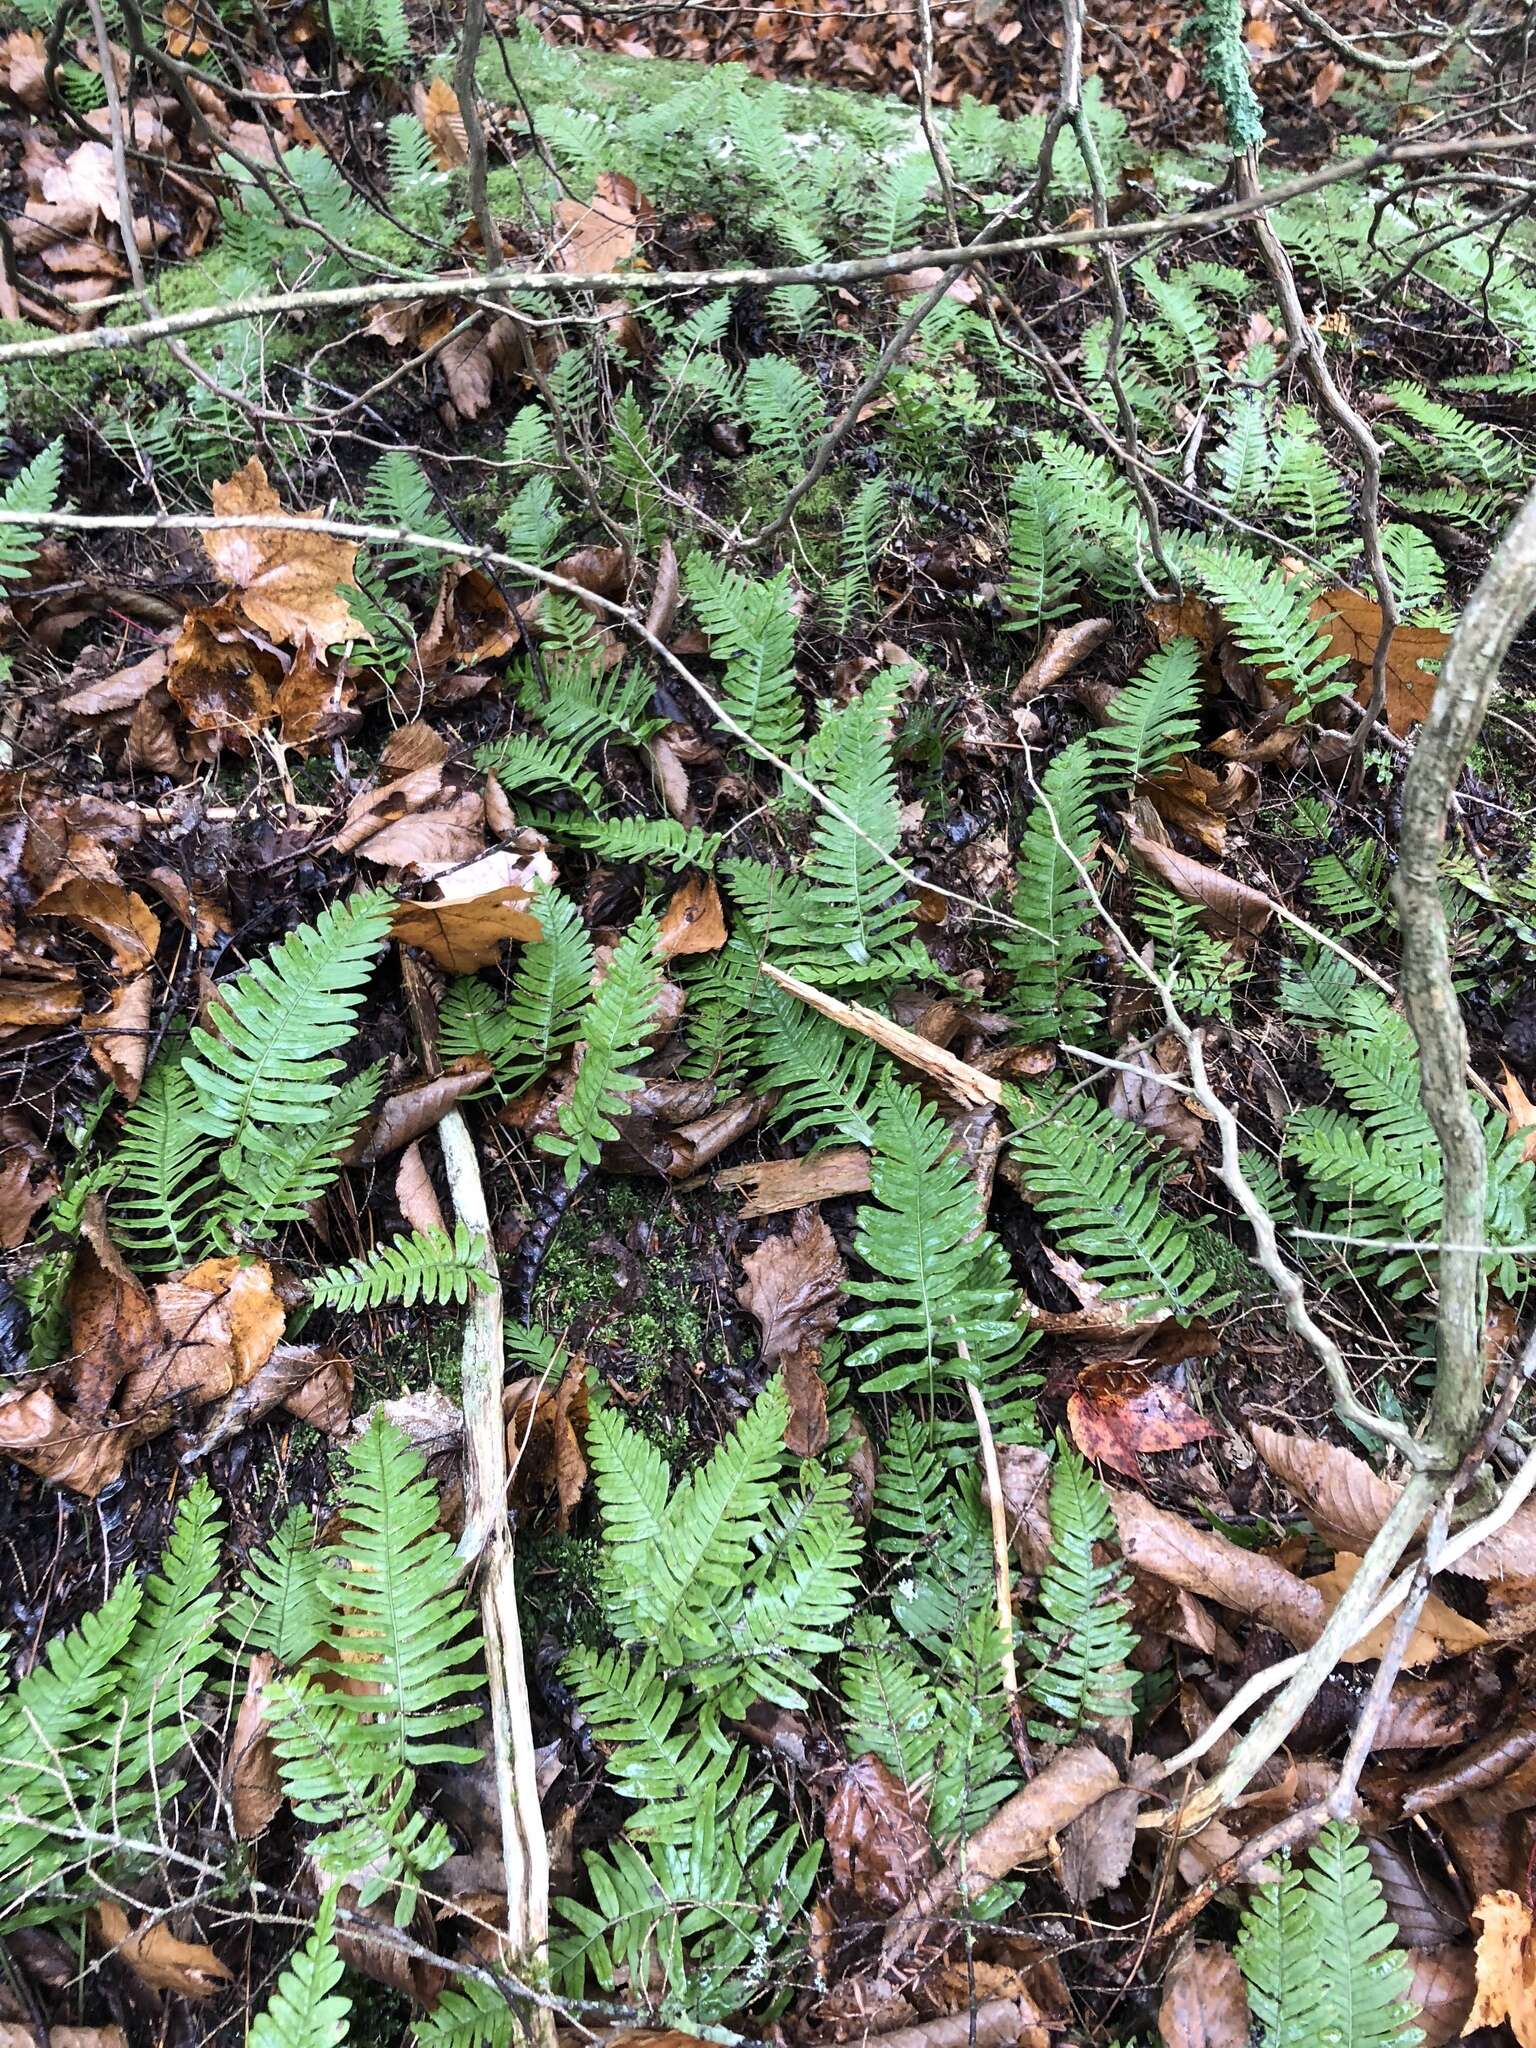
693,921
1352,623
1439,1632
475,910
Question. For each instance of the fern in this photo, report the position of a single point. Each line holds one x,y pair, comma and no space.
398,494
305,2009
270,1059
430,1266
279,1180
1414,565
852,922
1242,461
864,535
1153,719
1270,618
402,1630
653,1756
822,1075
523,1036
1462,449
780,403
751,630
282,1607
638,842
1316,1952
1350,887
1094,1180
1183,337
162,1172
33,489
1082,1645
1200,970
374,33
1306,493
1051,997
941,1304
1044,561
612,1031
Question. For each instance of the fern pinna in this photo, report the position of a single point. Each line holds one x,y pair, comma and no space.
1081,1645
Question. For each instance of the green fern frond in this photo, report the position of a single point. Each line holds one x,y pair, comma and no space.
525,1034
751,629
612,1031
780,403
162,1172
33,489
1095,1181
1270,617
1082,1644
421,1265
1307,496
305,2009
822,1075
1463,449
638,842
1277,1953
942,1304
402,1630
1045,563
1052,997
279,1179
652,1755
270,1058
282,1606
1153,718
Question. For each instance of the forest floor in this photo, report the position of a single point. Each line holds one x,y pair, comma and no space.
639,904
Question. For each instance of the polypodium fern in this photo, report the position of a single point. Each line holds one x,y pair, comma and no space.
270,1058
657,1754
941,1304
852,922
822,1075
282,1607
643,842
430,1266
1045,563
1316,1951
780,404
1052,938
280,1179
1082,1643
726,1576
1094,1180
162,1172
525,1034
33,489
1270,617
751,630
1153,719
612,1031
402,1630
305,2009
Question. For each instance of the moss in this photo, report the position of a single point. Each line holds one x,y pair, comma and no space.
424,1351
558,1576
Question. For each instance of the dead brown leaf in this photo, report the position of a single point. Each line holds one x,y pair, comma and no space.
794,1289
415,1193
601,233
1197,802
1096,1847
877,1838
417,1108
771,1186
1439,1632
82,1455
118,1036
1442,1987
1116,1412
1522,1114
220,678
15,2035
476,909
27,1180
1505,1967
315,703
1345,1501
1166,1546
1352,623
545,1426
120,691
1232,909
1160,1109
693,921
254,1787
222,1321
323,1398
99,904
437,109
1205,2004
158,1958
288,583
1066,648
1480,1768
28,1004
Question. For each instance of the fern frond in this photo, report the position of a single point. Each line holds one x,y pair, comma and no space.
751,629
1153,718
653,1757
613,1028
33,489
1045,563
1276,1951
1051,996
305,2009
282,1607
524,1035
1270,618
270,1058
641,842
279,1179
162,1172
821,1073
942,1304
403,1631
421,1265
1081,1647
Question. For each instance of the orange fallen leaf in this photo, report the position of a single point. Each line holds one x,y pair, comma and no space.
288,583
438,110
1439,1632
118,1036
600,234
221,680
1352,623
1506,1967
222,1321
694,920
1116,1412
476,909
1522,1114
255,1789
159,1958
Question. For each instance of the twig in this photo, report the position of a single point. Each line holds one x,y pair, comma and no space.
1496,611
1001,1573
110,339
1368,60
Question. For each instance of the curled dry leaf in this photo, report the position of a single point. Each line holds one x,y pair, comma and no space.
289,584
30,1003
1483,1766
770,1186
117,1037
1439,1632
1159,1108
475,910
694,920
221,678
252,1783
1167,1547
83,1455
221,1321
1116,1412
417,1108
315,702
437,109
1345,1501
794,1290
1096,1847
1205,2003
545,1427
1197,802
1232,909
1423,1910
1505,1967
98,903
157,1957
27,1180
120,691
1066,648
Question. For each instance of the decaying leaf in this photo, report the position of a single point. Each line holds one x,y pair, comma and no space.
1442,1986
1205,2004
1439,1632
1232,909
1161,1110
1116,1412
1352,623
877,1837
545,1426
1505,1967
251,1775
599,234
415,1193
1096,1847
410,1112
694,920
794,1289
1343,1498
288,584
437,109
475,910
158,1958
771,1186
1203,1562
27,1180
